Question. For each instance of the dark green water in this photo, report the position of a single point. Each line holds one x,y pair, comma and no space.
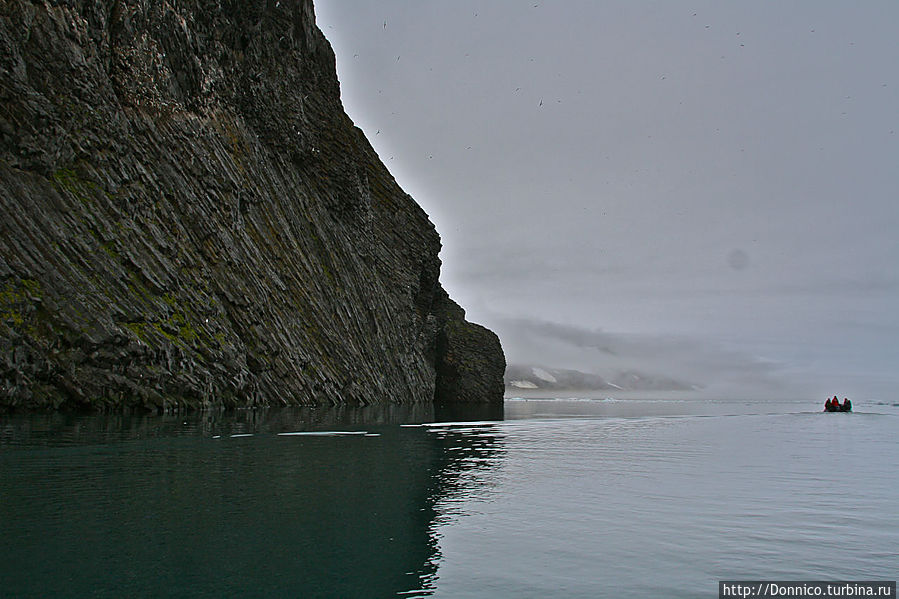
112,506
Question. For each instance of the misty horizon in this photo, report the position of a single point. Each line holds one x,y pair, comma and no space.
719,175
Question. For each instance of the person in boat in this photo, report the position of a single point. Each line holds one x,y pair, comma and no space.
847,405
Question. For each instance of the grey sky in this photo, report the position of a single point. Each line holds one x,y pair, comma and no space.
723,173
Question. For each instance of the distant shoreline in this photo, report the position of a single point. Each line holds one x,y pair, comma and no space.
696,394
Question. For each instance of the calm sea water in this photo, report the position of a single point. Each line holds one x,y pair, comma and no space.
627,498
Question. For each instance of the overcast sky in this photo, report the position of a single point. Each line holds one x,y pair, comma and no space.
720,178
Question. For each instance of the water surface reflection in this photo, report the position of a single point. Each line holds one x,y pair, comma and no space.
225,504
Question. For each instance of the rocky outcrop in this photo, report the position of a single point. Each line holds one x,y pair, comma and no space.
468,368
190,218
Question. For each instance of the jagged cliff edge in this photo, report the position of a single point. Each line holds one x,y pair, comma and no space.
189,218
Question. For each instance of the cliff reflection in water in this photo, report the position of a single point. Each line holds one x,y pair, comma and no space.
219,504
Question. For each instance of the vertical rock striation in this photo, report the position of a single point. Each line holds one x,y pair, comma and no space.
188,217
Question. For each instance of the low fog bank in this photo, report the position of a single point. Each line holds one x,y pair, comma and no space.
661,365
651,167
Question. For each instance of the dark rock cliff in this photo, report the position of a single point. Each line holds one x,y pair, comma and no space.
188,217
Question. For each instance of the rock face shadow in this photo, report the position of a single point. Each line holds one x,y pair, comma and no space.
224,505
